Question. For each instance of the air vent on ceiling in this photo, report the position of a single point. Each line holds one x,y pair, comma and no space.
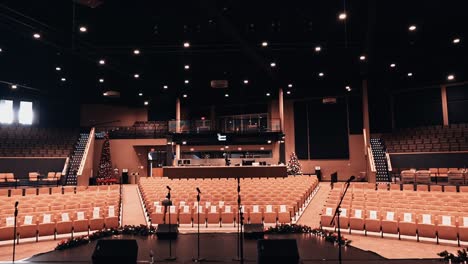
329,100
219,84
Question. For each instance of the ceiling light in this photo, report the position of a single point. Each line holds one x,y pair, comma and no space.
288,92
101,80
184,142
269,141
37,35
264,44
186,44
290,85
136,51
321,74
146,102
187,67
102,62
192,149
83,29
186,81
410,74
393,65
226,95
184,95
140,94
165,87
1,50
58,68
136,75
239,148
14,86
412,28
246,81
318,49
267,94
362,58
273,64
342,16
348,88
456,41
451,77
63,79
105,93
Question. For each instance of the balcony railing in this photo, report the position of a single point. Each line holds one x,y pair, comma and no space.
226,125
132,132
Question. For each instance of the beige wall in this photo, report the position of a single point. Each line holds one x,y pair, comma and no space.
128,154
345,168
97,113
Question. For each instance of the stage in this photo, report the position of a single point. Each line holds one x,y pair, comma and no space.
224,171
221,248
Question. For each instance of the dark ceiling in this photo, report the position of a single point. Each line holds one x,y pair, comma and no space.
225,44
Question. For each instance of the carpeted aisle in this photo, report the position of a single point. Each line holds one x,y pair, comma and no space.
132,211
311,215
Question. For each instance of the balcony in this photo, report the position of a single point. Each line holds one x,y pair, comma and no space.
226,125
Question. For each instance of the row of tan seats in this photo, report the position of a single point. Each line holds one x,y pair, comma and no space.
439,215
264,200
57,213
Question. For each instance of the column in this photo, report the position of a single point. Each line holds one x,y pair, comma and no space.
282,149
177,115
366,129
443,91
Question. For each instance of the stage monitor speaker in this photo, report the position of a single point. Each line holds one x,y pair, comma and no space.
115,251
253,231
277,251
163,232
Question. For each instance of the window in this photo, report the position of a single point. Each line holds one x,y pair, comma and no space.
25,114
6,111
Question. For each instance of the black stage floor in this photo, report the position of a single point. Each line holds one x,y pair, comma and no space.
222,248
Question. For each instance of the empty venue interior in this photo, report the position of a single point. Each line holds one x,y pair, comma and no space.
233,131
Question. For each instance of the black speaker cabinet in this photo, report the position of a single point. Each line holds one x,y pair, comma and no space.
163,232
253,231
282,251
115,251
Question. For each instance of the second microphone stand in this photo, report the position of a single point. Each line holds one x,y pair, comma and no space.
337,216
14,231
168,204
198,259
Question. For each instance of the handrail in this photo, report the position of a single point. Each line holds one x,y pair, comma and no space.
389,162
85,153
65,166
371,159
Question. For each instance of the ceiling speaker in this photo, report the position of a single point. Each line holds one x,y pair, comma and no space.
219,84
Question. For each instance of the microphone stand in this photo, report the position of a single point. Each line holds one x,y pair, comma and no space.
169,204
337,216
198,259
14,231
240,237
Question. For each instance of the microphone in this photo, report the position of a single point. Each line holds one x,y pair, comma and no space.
351,179
16,204
169,188
198,190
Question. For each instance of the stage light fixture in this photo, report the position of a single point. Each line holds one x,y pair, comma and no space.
58,68
83,29
140,94
136,51
412,28
14,86
393,65
456,41
264,44
288,92
37,36
273,64
362,58
410,74
165,87
186,81
451,77
267,94
146,103
187,67
184,95
186,44
63,79
102,62
246,81
101,80
136,75
318,49
342,16
226,95
321,74
290,85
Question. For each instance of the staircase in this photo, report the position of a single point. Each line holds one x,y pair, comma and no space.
380,160
76,158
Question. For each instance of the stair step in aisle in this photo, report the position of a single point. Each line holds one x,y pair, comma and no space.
380,160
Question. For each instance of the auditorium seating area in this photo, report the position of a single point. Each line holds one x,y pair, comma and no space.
428,139
28,141
437,214
8,179
265,200
57,210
